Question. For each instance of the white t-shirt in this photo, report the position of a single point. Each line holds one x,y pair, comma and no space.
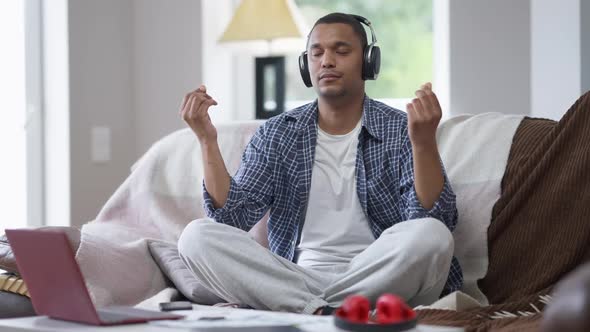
336,228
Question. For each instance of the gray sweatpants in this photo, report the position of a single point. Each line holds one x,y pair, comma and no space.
410,259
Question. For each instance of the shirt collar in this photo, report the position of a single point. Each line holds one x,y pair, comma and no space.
372,119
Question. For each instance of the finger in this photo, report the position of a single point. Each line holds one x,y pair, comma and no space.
418,106
186,110
200,92
203,110
435,103
198,99
212,101
204,95
202,88
187,97
427,86
424,98
432,100
183,104
412,113
410,109
201,98
204,107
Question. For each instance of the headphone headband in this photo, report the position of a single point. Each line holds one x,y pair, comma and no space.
367,23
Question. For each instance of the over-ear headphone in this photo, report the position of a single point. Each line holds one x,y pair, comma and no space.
371,57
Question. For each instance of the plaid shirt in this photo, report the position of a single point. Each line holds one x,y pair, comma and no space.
275,174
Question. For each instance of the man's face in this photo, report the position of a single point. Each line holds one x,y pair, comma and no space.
335,60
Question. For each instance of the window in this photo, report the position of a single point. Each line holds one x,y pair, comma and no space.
404,32
12,104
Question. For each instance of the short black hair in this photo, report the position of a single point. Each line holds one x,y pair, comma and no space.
348,19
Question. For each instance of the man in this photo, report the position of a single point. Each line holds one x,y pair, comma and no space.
359,201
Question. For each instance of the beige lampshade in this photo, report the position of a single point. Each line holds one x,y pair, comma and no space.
262,20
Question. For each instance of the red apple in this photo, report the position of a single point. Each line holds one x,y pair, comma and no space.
356,309
392,309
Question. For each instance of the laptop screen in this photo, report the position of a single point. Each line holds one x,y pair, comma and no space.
47,264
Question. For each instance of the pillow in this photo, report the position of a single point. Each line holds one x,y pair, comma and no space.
14,297
10,282
166,256
15,305
7,260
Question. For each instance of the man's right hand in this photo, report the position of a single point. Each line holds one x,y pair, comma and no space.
195,112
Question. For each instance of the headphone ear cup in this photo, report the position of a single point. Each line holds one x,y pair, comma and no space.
366,62
371,62
304,69
375,62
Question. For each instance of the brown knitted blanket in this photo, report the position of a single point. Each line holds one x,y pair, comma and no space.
540,226
522,316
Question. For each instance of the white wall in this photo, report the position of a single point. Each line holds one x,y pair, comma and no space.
556,56
489,56
101,94
120,64
166,64
527,56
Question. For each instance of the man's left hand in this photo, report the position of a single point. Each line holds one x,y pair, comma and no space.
424,114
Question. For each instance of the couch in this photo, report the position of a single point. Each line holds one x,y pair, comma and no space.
537,233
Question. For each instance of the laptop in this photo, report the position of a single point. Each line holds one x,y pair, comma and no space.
47,264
